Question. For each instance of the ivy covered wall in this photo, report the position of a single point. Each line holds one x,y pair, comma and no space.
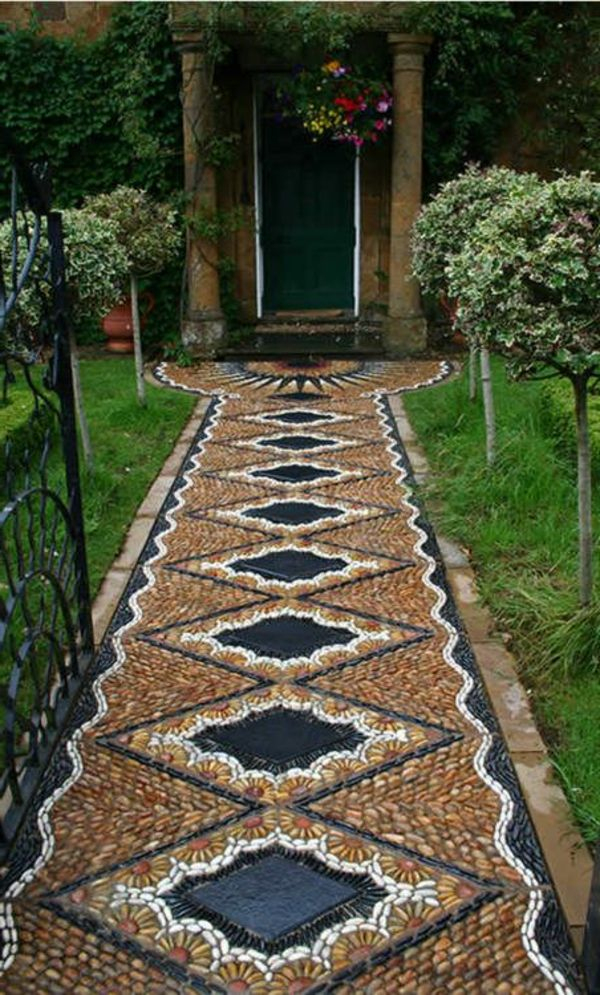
502,79
108,111
105,112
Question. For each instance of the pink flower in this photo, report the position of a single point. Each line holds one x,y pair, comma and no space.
384,103
380,124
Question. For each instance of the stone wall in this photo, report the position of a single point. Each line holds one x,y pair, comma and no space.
58,19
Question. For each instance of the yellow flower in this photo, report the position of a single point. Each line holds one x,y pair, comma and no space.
186,949
331,67
354,947
295,978
349,848
134,920
239,978
146,873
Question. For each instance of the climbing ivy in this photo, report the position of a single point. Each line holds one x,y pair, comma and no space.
484,60
108,112
105,112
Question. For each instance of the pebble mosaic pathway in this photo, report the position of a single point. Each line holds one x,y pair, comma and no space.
284,775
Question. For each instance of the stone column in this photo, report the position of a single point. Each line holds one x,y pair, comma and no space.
203,325
405,327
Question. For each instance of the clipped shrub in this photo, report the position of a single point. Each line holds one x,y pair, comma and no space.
528,283
96,268
146,230
447,221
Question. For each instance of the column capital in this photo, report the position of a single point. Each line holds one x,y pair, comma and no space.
405,44
188,41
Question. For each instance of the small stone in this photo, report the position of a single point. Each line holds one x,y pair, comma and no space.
360,953
129,926
253,822
180,954
255,792
78,896
406,865
200,844
303,822
143,867
299,985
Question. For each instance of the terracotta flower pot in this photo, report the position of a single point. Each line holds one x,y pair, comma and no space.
118,323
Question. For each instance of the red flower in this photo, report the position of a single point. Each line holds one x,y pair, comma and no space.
346,103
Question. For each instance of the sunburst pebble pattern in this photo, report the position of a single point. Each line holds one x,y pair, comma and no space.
285,778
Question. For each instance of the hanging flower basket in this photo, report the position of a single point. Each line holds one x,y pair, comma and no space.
338,102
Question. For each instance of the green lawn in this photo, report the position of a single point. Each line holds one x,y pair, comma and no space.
130,446
518,522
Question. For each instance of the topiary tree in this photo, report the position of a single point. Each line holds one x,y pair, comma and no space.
96,268
440,232
148,235
528,283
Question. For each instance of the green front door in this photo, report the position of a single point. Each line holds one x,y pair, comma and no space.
307,221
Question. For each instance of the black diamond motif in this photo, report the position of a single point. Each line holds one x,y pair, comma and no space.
275,899
294,473
298,417
297,442
293,512
279,739
288,565
285,637
301,396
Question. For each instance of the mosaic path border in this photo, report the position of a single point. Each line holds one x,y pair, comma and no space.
544,935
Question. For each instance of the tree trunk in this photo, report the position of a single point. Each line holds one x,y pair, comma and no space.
137,343
84,429
472,372
584,490
488,406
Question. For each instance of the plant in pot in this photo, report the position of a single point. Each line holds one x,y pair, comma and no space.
149,236
96,268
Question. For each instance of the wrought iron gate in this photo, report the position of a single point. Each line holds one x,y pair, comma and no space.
46,638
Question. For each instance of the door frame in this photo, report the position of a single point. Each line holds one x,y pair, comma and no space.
258,202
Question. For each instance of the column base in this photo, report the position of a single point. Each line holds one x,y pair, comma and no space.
204,333
404,335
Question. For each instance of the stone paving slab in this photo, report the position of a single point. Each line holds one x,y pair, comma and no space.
284,775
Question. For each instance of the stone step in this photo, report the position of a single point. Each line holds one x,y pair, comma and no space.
303,338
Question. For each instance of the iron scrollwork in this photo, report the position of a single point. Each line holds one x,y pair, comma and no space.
46,637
